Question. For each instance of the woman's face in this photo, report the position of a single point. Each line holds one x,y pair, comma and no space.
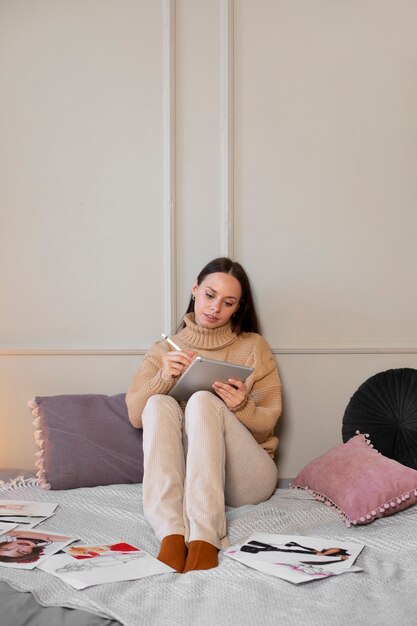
217,297
20,547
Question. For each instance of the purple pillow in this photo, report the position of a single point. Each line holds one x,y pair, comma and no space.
86,440
359,482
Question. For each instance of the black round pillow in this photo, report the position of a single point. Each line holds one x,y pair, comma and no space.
385,407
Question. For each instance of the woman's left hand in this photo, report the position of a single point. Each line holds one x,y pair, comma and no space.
232,393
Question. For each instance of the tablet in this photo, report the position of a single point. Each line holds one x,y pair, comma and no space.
202,373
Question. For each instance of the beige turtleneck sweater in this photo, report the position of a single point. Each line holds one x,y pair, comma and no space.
260,410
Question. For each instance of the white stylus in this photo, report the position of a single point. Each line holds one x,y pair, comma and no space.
171,343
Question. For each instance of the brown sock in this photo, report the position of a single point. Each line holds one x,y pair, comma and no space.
173,552
201,555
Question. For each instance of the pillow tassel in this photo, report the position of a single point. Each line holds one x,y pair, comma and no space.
38,439
322,498
32,404
43,483
40,475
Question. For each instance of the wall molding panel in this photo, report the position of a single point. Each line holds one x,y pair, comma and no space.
277,350
359,350
227,123
169,114
75,352
171,132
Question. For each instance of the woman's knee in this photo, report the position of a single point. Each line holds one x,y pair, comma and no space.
204,410
159,406
255,488
201,400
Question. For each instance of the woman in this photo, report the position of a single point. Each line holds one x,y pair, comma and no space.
217,449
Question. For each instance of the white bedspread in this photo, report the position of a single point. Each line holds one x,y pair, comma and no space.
384,593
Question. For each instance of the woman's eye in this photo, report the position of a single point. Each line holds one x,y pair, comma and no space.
209,295
228,303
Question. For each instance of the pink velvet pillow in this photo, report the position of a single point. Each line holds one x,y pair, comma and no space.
359,482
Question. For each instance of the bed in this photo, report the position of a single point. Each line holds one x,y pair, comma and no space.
351,493
231,593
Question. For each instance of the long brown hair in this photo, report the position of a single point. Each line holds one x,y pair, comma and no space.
245,318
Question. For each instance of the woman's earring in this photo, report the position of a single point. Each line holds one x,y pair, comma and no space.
193,296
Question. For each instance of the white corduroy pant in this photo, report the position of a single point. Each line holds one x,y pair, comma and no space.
195,463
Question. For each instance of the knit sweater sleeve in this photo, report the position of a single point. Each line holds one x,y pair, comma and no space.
260,411
147,382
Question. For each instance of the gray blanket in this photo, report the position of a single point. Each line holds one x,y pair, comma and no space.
231,593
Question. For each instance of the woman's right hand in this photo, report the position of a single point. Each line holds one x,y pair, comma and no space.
174,363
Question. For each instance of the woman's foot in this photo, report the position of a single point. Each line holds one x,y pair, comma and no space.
201,555
173,552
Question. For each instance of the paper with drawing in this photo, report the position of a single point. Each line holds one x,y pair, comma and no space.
295,558
84,566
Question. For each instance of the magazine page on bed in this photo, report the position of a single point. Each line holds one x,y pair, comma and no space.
26,549
85,566
25,508
295,558
6,527
26,514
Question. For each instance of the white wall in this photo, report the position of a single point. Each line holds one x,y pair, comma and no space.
140,139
